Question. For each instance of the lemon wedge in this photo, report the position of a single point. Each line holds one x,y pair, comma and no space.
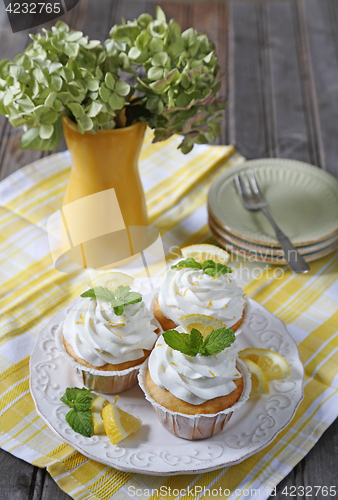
96,409
273,364
259,382
112,280
204,252
202,323
118,424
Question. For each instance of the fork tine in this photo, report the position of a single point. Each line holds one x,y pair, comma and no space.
240,188
255,185
238,185
248,187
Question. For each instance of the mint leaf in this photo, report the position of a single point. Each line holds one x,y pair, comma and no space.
212,268
99,292
217,340
118,310
74,395
118,300
193,343
124,297
191,263
79,417
179,342
121,292
209,267
81,422
196,338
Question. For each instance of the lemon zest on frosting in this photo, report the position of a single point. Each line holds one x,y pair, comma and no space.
212,374
82,322
115,325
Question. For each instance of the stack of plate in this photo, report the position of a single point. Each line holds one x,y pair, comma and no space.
302,199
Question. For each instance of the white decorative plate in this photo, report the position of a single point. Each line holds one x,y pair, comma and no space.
303,200
153,450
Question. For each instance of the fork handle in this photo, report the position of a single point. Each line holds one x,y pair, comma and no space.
294,259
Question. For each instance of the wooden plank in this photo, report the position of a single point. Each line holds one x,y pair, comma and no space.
93,21
131,9
37,483
15,478
290,124
321,30
246,94
51,490
179,11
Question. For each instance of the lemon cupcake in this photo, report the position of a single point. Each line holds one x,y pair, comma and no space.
201,283
194,379
106,336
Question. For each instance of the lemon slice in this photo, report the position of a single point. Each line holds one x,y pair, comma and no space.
96,409
204,252
273,364
259,382
118,424
202,323
112,280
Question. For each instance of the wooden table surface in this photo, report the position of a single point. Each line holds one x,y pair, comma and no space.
281,79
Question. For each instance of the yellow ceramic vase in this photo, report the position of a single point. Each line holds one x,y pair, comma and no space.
105,160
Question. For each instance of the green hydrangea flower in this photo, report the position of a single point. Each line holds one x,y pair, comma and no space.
62,72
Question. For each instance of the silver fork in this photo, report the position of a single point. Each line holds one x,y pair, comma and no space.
253,199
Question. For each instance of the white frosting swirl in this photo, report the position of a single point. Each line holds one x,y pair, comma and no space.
194,379
190,291
98,336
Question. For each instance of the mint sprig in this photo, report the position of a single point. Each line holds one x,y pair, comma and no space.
193,343
79,417
209,267
118,300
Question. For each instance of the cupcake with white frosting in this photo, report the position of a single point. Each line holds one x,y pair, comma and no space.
106,336
194,380
200,286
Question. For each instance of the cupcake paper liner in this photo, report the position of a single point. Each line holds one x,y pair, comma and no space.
195,426
105,382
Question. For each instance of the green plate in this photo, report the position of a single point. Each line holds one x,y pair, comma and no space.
265,255
303,200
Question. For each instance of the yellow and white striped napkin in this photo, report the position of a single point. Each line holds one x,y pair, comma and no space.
32,291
